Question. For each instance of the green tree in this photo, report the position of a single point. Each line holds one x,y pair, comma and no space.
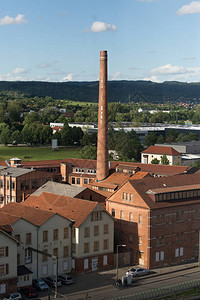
5,136
89,152
16,136
150,139
155,161
164,160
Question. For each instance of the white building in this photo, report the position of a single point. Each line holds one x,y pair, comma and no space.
157,152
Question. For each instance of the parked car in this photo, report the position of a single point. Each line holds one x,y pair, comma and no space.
135,272
51,281
13,296
39,284
66,279
29,292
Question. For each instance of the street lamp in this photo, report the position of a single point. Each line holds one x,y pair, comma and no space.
117,259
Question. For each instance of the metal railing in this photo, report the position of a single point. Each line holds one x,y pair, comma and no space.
163,291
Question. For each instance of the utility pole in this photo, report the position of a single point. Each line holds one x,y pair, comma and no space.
53,257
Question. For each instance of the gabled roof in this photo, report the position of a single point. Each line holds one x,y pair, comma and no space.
59,189
15,172
33,215
161,150
171,182
71,208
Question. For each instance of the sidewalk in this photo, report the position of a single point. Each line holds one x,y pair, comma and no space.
100,279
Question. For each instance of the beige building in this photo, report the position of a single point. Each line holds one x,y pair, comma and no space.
8,261
43,230
157,152
93,229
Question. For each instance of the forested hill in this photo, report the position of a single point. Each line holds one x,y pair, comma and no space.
118,91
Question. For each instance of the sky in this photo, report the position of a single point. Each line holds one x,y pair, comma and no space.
60,40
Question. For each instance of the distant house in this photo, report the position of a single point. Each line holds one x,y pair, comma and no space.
157,152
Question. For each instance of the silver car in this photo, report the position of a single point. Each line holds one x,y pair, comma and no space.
135,272
66,279
13,296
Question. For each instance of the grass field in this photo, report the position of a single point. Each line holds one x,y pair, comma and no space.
37,153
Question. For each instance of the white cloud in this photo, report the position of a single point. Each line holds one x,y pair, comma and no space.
169,69
44,66
19,19
192,8
101,26
19,71
116,76
67,78
151,78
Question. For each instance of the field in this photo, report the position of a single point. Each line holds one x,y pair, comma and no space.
37,153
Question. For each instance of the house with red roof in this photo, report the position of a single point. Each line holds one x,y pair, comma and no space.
157,152
92,231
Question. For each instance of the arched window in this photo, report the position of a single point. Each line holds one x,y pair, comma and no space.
122,215
131,217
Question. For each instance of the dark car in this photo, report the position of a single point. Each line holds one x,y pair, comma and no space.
29,292
66,279
51,281
39,284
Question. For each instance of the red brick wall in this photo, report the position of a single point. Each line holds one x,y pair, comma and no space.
79,263
11,285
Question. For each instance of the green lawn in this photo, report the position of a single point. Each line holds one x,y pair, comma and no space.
37,153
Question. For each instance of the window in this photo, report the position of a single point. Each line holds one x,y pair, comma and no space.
3,251
18,259
1,183
65,232
45,236
97,216
73,180
28,256
85,181
96,230
86,247
86,264
176,252
28,238
105,260
113,212
55,234
4,269
127,197
44,257
96,246
78,181
105,244
121,215
65,251
17,237
55,251
74,232
105,229
87,232
140,240
160,256
13,185
124,196
131,197
44,270
131,217
8,184
140,219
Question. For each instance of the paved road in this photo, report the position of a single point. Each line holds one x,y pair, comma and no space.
99,285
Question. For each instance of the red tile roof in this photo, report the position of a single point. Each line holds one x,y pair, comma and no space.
32,215
71,208
161,150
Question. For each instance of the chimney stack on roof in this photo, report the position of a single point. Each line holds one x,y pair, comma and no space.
102,144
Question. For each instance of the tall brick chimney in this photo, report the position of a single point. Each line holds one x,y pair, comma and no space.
102,143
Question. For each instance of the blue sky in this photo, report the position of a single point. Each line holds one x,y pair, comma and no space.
60,40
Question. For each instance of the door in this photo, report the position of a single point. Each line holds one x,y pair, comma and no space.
94,264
